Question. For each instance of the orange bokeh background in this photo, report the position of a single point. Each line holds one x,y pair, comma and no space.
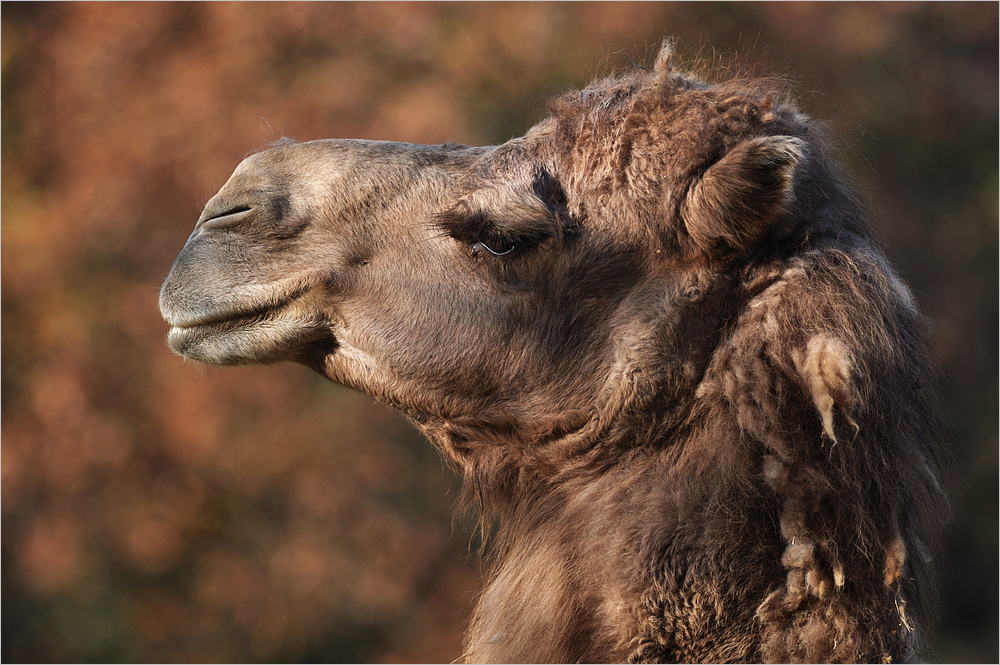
157,510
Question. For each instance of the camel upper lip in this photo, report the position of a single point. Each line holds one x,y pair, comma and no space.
234,317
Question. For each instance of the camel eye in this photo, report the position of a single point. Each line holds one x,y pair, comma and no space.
496,247
481,235
488,238
500,230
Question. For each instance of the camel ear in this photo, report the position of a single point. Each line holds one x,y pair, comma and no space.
739,197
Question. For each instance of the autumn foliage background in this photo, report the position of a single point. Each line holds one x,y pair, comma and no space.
156,510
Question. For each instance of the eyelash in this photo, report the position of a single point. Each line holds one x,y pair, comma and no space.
480,235
488,245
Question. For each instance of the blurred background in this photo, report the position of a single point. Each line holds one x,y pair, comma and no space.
156,510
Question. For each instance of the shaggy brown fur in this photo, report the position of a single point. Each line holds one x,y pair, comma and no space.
655,338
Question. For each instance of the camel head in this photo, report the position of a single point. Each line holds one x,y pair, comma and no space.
447,281
505,287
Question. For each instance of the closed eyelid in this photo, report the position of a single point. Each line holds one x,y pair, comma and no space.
465,225
503,251
509,215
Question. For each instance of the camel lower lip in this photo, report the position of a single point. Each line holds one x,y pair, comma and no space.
222,322
215,341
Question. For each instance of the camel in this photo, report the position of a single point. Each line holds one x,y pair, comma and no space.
654,336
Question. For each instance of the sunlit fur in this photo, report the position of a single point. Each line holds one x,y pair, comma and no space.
655,338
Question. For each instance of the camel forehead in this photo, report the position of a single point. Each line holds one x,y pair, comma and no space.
328,155
333,160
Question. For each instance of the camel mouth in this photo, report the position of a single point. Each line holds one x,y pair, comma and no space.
201,338
227,318
224,322
264,332
266,337
245,308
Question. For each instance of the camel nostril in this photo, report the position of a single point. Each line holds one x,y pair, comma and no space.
224,217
